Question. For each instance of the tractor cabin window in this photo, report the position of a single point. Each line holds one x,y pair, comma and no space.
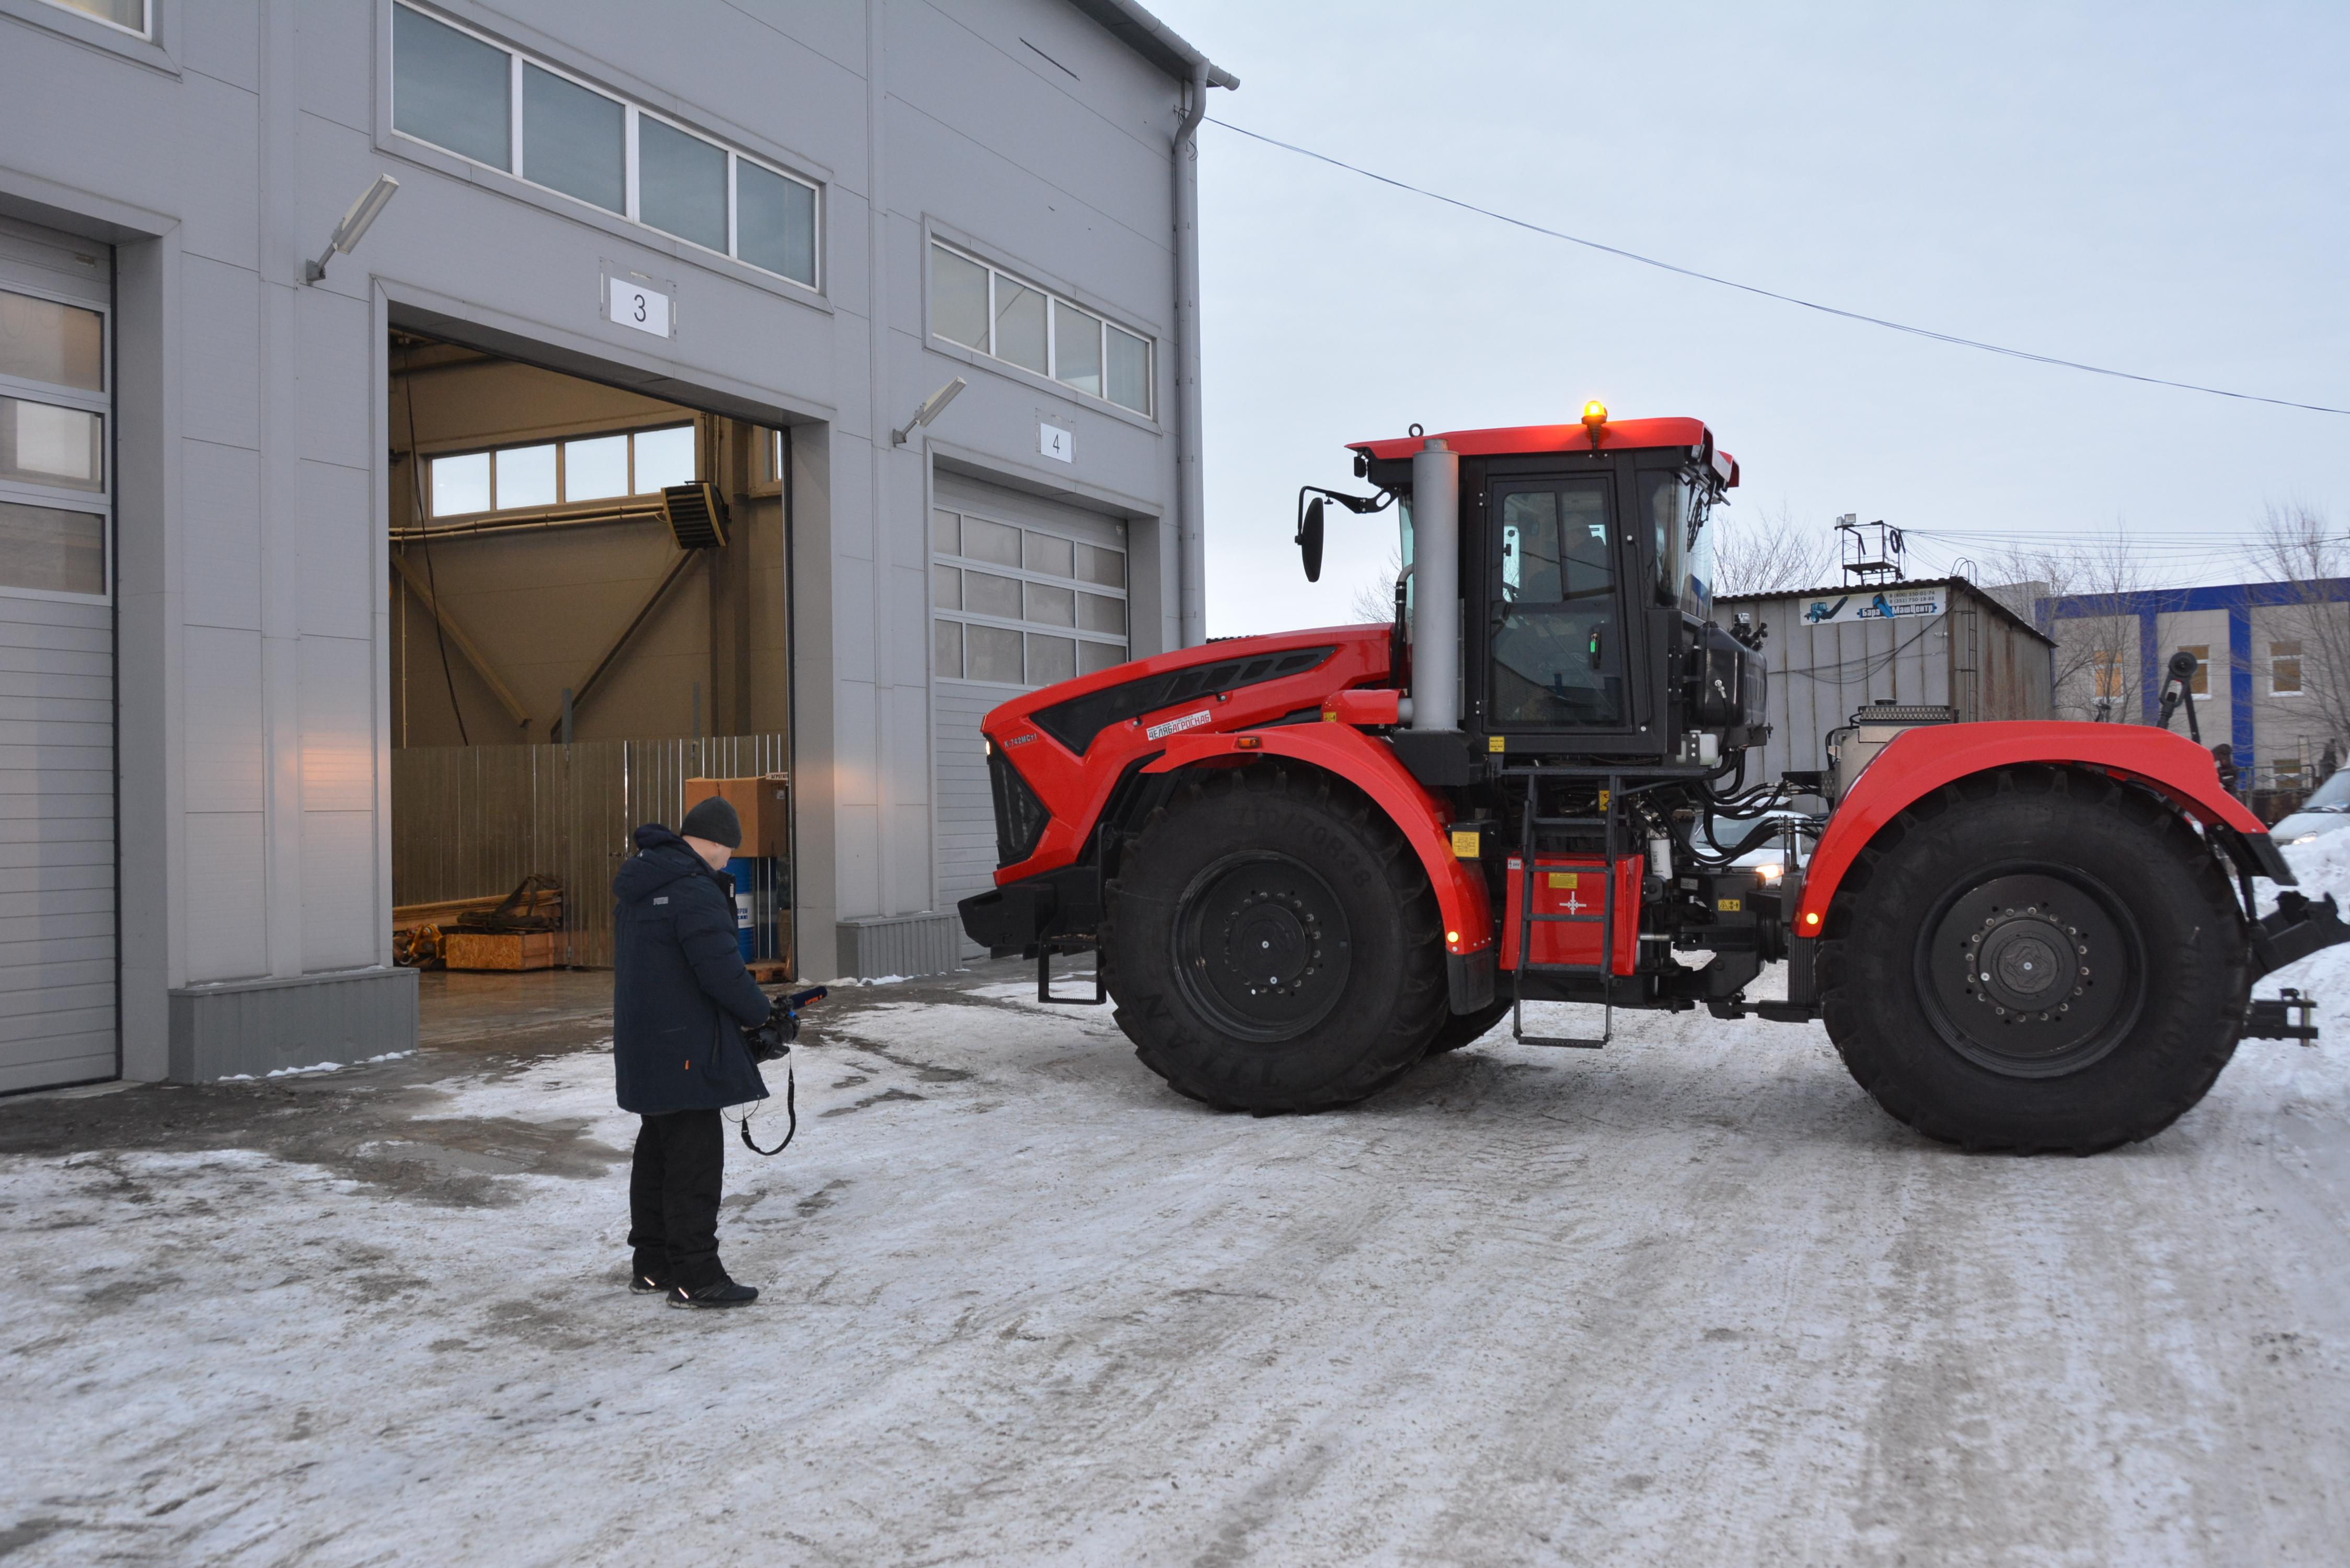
2285,669
1558,654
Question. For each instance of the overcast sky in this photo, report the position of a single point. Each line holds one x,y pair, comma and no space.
2157,188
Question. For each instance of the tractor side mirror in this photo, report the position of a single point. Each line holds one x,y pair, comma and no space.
1309,540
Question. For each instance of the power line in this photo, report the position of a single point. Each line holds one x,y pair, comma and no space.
1768,294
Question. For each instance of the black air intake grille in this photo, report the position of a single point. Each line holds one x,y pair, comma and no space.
1077,721
1020,816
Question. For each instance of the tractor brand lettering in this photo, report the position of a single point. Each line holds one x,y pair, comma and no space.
1019,739
1878,604
1174,726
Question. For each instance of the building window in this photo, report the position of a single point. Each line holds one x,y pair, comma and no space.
562,473
993,313
1018,607
2108,668
476,98
2201,684
2285,669
130,15
53,479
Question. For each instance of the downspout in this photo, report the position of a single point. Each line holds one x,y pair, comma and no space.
1191,543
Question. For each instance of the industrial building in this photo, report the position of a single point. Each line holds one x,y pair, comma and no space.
608,448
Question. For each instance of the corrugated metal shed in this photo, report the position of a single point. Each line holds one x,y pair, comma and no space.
1978,656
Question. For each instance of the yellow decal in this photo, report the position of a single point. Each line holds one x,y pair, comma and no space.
1603,799
1493,742
1467,845
1732,906
1563,879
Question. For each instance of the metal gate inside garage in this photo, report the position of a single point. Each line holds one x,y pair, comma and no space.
1025,592
58,1018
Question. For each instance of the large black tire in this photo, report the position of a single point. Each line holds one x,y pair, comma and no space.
1460,1029
1273,944
2035,959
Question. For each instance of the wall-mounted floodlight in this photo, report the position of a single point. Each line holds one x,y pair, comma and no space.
354,226
932,406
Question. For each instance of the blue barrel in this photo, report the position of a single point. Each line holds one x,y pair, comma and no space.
745,872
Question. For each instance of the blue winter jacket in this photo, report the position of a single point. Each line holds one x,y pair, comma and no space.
681,996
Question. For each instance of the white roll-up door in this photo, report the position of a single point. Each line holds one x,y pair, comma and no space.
56,661
1023,592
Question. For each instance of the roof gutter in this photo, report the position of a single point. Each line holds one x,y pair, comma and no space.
1155,41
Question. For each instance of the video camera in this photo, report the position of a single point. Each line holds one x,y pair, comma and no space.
772,1036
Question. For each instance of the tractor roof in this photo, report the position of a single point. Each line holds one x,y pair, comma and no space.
1617,435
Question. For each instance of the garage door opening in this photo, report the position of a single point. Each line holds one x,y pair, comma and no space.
588,598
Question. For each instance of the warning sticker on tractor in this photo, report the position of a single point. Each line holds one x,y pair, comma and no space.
1874,603
1176,726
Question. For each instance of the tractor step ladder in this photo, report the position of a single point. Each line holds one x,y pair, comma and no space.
1612,798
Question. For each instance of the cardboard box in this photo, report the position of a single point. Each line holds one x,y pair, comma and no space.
761,803
502,950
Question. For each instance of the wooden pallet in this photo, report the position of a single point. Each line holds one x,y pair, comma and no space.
508,950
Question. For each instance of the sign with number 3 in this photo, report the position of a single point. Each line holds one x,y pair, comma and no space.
631,304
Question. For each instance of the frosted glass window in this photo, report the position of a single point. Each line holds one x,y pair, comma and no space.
1053,607
680,185
41,443
130,15
983,593
42,340
946,587
991,653
595,468
774,222
958,299
945,537
1019,324
1077,348
1047,554
574,141
1129,371
947,643
1095,613
461,485
985,541
1105,569
1051,659
58,552
451,88
1095,657
664,458
526,476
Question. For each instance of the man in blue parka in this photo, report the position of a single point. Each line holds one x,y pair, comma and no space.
680,1000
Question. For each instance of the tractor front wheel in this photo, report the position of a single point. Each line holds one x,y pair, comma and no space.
1274,945
2036,959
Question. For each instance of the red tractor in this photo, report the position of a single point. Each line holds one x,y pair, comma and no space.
1307,861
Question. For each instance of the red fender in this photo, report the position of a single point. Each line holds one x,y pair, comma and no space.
1371,767
1918,761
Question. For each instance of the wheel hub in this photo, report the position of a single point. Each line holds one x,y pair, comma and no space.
1263,946
2035,975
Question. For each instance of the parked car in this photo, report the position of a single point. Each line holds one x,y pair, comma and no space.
2327,810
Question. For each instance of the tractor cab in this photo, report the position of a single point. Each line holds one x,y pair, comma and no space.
1583,574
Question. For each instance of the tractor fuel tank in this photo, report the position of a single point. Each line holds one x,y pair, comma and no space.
1576,887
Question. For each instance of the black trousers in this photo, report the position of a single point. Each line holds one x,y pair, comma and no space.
673,1190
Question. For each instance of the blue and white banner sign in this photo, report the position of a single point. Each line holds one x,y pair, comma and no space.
1875,604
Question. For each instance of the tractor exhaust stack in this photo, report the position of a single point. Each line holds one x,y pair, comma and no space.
1436,592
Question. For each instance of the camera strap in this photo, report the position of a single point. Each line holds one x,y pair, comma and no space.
791,1109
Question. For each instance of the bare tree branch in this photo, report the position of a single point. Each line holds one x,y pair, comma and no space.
2096,665
1375,600
1767,554
2308,636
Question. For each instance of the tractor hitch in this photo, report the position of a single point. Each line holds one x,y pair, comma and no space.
2291,1016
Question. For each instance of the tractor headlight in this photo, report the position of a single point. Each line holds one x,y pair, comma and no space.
1770,873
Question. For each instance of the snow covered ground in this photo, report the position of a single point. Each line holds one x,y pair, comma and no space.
1690,1300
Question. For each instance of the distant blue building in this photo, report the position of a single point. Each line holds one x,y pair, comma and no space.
2264,648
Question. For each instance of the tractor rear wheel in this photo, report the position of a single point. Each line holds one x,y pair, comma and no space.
2036,959
1274,945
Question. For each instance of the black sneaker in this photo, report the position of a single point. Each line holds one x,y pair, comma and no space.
723,1292
645,1284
